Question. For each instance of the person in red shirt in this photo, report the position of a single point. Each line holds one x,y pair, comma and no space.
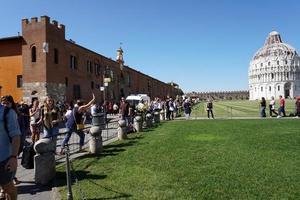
281,107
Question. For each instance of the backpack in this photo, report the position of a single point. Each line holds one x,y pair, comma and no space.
5,113
28,156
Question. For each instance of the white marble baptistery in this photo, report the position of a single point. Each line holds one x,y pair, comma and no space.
274,70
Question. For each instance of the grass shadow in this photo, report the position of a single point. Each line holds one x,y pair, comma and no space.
150,129
120,145
60,179
118,195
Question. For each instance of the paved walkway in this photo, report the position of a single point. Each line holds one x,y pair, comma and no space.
28,190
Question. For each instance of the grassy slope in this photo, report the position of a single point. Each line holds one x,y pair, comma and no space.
220,159
241,108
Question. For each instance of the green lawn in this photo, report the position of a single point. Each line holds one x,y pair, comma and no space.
237,108
217,159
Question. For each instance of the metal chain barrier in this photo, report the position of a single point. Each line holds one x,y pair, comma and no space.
75,175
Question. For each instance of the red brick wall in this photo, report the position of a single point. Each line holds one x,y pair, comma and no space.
37,32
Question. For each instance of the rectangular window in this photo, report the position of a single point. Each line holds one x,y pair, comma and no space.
97,69
55,56
19,81
66,81
76,92
129,80
278,88
262,89
91,67
92,85
88,66
270,88
73,62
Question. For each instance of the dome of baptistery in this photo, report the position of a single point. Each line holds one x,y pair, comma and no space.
274,70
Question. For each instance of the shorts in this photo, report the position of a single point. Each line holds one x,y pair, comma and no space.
5,176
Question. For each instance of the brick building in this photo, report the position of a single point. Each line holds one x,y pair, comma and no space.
42,62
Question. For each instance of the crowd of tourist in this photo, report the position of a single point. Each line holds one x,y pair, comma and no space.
281,107
20,121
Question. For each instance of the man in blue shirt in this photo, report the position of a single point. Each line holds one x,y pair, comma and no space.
9,147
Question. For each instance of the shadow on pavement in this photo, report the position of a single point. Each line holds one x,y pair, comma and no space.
32,188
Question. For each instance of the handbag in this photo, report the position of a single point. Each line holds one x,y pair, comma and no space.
79,126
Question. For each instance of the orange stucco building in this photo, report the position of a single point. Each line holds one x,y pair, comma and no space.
11,67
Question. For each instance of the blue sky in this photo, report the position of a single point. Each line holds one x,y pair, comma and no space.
201,45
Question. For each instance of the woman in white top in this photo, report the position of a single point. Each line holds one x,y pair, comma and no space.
272,107
35,121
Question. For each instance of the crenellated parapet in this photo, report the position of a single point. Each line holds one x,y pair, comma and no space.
35,22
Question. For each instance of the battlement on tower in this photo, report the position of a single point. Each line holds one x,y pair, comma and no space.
43,20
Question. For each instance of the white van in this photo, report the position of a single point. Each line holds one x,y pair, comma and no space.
135,99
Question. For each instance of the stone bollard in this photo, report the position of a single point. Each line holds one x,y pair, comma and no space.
44,160
98,122
148,120
122,130
137,123
156,117
162,115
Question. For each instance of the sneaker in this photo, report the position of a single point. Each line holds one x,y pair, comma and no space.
278,116
16,181
62,152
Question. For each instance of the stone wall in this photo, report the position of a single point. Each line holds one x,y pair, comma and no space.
42,90
220,95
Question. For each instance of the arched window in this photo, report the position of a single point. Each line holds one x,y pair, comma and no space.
33,54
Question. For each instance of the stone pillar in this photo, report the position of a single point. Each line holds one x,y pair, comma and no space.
148,120
156,117
98,122
122,130
162,115
95,140
44,160
137,124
